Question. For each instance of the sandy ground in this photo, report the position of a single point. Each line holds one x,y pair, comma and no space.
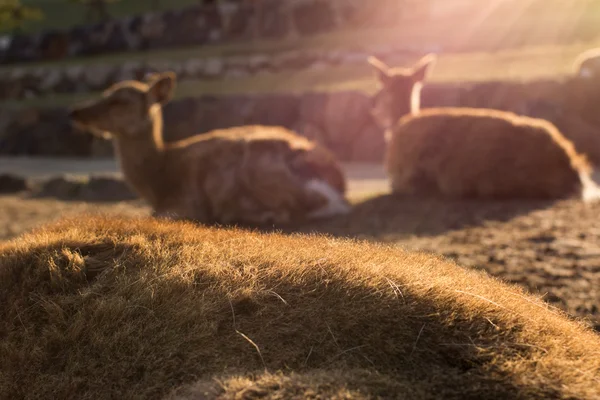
552,249
362,177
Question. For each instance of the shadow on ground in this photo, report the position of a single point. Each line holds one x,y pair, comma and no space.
393,216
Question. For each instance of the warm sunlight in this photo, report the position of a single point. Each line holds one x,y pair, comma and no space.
299,199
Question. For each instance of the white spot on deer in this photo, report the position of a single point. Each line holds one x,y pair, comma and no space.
336,204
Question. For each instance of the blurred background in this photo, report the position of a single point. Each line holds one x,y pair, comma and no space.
247,61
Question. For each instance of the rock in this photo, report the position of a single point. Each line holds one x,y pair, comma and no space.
313,17
380,51
10,184
27,118
584,136
206,24
6,120
105,189
31,84
319,66
77,41
236,62
213,67
115,39
236,73
171,35
99,77
346,113
271,23
334,57
74,72
442,95
11,89
182,118
187,117
75,75
276,110
152,27
312,109
368,145
51,135
234,17
22,48
222,112
129,71
4,46
506,96
580,96
18,73
258,62
60,188
50,79
193,69
129,28
354,58
105,37
349,13
293,60
54,45
101,148
160,65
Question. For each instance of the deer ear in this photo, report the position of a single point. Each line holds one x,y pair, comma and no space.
423,67
383,71
162,87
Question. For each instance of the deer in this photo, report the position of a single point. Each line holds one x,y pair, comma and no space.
453,152
587,64
248,175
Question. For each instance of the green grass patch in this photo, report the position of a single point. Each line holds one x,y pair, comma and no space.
507,25
511,65
61,14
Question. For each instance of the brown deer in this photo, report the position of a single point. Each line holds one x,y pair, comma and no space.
247,175
587,64
471,153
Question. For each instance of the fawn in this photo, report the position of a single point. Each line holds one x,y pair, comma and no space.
468,152
248,175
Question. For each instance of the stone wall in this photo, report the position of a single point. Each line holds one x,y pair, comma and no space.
23,82
198,25
235,21
320,116
341,121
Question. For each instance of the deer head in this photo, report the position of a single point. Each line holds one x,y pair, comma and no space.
400,89
127,108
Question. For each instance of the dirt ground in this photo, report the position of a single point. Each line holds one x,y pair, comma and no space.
551,249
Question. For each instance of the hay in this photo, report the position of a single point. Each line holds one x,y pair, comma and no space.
137,308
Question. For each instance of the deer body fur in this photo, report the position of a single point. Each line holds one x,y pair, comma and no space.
249,175
587,64
471,153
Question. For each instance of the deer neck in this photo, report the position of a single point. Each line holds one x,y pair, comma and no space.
142,158
415,98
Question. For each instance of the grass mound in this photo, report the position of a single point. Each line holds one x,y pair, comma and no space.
137,308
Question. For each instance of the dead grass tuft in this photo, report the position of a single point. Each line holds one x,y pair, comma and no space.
100,307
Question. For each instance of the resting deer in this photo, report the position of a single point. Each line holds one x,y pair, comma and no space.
466,152
248,175
587,64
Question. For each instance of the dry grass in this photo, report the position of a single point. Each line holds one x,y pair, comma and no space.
119,308
19,214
